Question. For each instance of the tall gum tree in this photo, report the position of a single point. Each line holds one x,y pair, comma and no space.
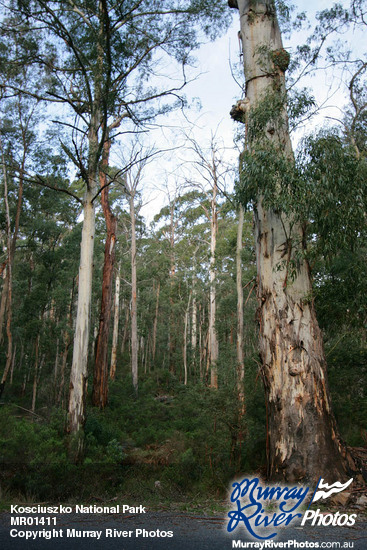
100,378
303,440
209,173
21,126
132,190
102,61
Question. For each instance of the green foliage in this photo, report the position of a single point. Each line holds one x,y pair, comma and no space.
347,362
267,114
300,104
333,192
180,435
267,172
33,454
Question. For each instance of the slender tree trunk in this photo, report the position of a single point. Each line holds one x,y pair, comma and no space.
146,355
100,380
303,440
240,326
92,353
24,385
194,323
213,340
35,376
116,319
238,429
194,329
13,365
56,367
185,339
9,277
4,301
202,343
4,304
63,367
155,323
67,340
134,320
21,361
126,326
172,324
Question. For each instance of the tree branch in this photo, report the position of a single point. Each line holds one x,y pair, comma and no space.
40,181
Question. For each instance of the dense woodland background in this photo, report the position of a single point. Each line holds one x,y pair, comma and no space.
170,421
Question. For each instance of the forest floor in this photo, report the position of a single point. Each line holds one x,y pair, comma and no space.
146,532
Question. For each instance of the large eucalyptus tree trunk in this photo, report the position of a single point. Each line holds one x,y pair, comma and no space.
79,367
79,374
303,440
97,134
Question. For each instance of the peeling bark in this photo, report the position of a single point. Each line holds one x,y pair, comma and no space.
96,140
303,440
79,374
100,379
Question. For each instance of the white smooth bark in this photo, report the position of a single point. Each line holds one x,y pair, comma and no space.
240,325
115,325
134,320
155,323
185,339
78,375
213,340
194,320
